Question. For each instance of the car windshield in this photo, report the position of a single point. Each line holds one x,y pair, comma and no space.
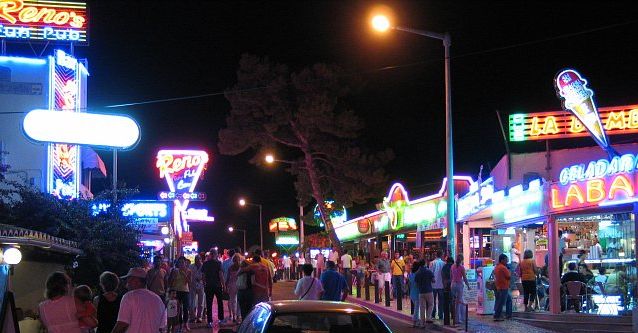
314,322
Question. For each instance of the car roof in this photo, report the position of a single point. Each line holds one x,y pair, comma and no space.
279,307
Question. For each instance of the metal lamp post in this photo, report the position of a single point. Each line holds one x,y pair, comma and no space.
382,23
232,229
242,203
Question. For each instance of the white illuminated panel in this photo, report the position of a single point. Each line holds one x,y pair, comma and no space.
103,130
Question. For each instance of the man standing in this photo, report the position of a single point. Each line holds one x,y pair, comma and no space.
141,310
423,279
156,278
502,279
287,262
334,255
383,273
436,266
346,264
334,285
308,288
300,262
446,274
214,286
398,269
265,262
226,263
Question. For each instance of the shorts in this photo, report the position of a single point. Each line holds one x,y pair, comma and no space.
383,277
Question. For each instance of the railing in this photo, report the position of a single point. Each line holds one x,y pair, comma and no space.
10,231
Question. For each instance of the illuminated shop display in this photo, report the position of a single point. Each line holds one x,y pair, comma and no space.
182,170
102,130
479,198
338,215
562,125
518,204
147,214
44,20
287,238
284,224
65,95
597,183
399,212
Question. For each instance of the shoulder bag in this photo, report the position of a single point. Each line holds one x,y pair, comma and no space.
307,291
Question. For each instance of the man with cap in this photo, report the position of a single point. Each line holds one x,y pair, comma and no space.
141,310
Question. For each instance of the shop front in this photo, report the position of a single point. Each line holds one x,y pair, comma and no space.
409,226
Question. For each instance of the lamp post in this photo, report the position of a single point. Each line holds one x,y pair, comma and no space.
232,229
382,23
243,202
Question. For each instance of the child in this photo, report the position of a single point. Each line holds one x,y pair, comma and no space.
87,314
173,309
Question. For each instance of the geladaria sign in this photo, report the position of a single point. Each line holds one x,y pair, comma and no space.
602,182
44,20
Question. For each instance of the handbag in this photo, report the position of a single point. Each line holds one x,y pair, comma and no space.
490,284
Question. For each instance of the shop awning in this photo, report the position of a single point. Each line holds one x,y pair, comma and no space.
19,236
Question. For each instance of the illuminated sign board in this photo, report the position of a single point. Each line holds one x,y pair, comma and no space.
147,214
192,196
287,238
282,224
519,204
102,130
198,215
615,120
479,197
338,215
44,20
597,183
65,95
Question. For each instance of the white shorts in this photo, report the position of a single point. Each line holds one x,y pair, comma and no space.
382,277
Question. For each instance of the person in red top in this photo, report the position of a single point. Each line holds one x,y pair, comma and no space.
261,280
502,278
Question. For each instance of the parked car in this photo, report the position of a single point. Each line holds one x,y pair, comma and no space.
311,316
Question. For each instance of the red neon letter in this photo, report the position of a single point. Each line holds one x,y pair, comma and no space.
595,190
621,183
574,192
555,202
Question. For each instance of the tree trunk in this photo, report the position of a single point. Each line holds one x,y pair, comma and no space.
317,194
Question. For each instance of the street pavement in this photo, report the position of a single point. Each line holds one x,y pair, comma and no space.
284,290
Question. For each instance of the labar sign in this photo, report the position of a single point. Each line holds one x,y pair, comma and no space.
50,21
561,124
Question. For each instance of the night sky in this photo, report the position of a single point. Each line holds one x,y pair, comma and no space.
505,56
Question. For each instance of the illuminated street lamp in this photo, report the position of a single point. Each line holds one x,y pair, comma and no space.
232,229
243,202
269,159
381,23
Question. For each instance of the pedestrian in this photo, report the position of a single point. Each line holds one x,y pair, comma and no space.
263,260
300,262
261,280
156,278
383,273
334,255
397,266
346,265
213,286
179,280
308,288
436,266
141,310
319,264
334,284
244,289
58,311
87,314
173,312
424,278
414,293
287,263
231,288
446,274
197,299
502,280
458,277
528,278
107,303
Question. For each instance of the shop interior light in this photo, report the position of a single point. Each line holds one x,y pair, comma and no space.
12,256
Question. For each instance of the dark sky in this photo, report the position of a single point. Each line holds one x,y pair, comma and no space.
149,50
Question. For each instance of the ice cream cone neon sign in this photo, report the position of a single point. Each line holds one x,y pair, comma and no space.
578,99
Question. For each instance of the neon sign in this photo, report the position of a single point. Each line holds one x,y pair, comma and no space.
338,215
519,204
287,238
40,20
601,182
65,95
145,214
616,120
191,196
282,224
479,197
198,215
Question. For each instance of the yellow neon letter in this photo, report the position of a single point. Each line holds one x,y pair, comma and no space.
633,119
551,127
576,125
621,183
595,190
535,129
555,202
616,120
574,192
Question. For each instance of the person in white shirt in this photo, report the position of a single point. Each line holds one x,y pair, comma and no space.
436,266
595,251
319,263
346,265
334,256
300,262
308,288
141,310
287,262
515,255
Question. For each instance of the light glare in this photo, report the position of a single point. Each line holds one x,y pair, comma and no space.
231,229
380,23
269,158
242,202
12,256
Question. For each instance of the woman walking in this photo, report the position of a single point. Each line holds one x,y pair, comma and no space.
458,276
58,312
231,286
107,303
414,293
179,280
528,277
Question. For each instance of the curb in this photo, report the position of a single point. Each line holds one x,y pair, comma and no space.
395,314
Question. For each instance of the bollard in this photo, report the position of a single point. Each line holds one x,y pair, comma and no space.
446,307
386,287
377,297
399,297
411,307
366,286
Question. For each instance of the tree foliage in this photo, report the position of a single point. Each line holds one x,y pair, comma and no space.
109,241
304,115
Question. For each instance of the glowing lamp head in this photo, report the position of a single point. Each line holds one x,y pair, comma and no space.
164,230
231,229
274,254
167,240
242,202
269,159
297,254
380,23
216,248
245,254
12,256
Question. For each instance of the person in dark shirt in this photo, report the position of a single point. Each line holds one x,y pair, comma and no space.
424,278
446,274
214,286
334,284
573,275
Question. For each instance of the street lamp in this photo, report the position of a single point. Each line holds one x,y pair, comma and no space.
243,202
232,229
382,23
